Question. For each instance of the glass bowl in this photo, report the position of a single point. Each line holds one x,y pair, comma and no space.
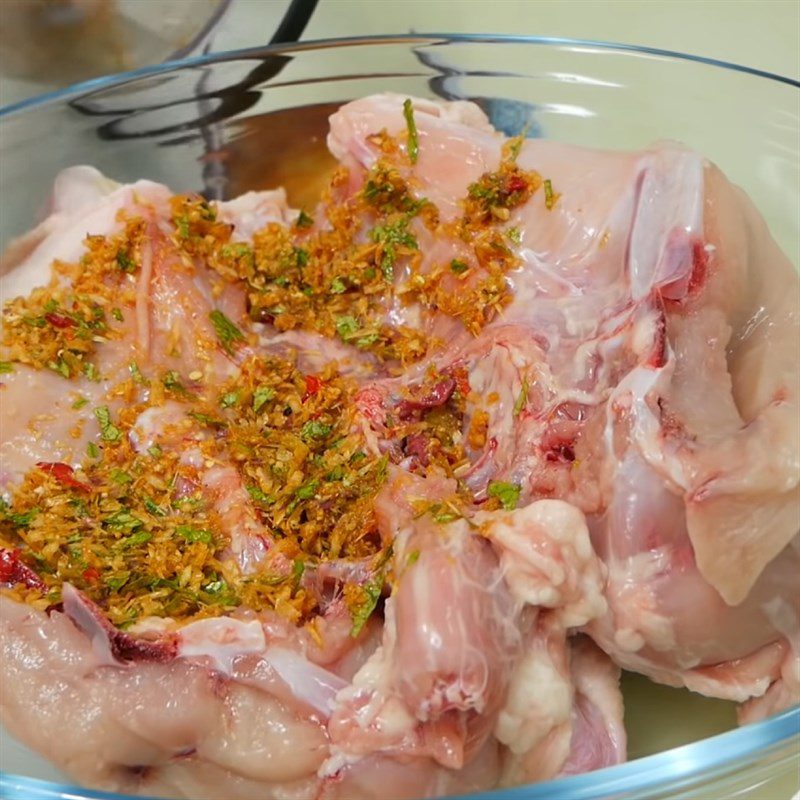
229,122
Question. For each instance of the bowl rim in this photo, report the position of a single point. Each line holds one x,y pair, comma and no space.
685,763
672,768
120,78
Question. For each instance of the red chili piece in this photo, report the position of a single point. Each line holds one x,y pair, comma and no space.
313,385
13,571
59,320
516,183
91,575
64,474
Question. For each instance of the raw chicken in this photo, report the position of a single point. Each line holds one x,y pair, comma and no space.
548,428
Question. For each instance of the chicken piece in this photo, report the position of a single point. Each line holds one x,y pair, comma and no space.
743,463
451,644
564,712
449,640
456,143
150,725
535,723
39,422
655,587
547,559
598,732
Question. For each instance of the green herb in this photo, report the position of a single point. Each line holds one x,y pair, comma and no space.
153,508
259,496
338,286
336,474
189,503
549,197
135,539
154,451
117,582
194,534
515,234
515,145
238,250
301,256
22,520
314,430
117,314
359,455
226,331
347,327
506,493
125,262
90,371
391,236
61,367
298,568
120,476
92,450
413,557
182,224
360,615
137,376
229,399
172,382
6,367
35,322
80,403
205,419
366,341
108,431
123,520
304,220
307,490
458,266
522,398
413,140
261,396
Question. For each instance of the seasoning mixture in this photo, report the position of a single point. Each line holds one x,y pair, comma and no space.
133,527
410,474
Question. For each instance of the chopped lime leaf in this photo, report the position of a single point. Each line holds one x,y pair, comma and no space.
506,493
227,333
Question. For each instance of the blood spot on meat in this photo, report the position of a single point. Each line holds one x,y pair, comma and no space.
560,454
416,446
436,397
671,425
130,648
89,618
699,267
139,771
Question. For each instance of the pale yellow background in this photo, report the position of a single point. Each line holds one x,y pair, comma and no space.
759,33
